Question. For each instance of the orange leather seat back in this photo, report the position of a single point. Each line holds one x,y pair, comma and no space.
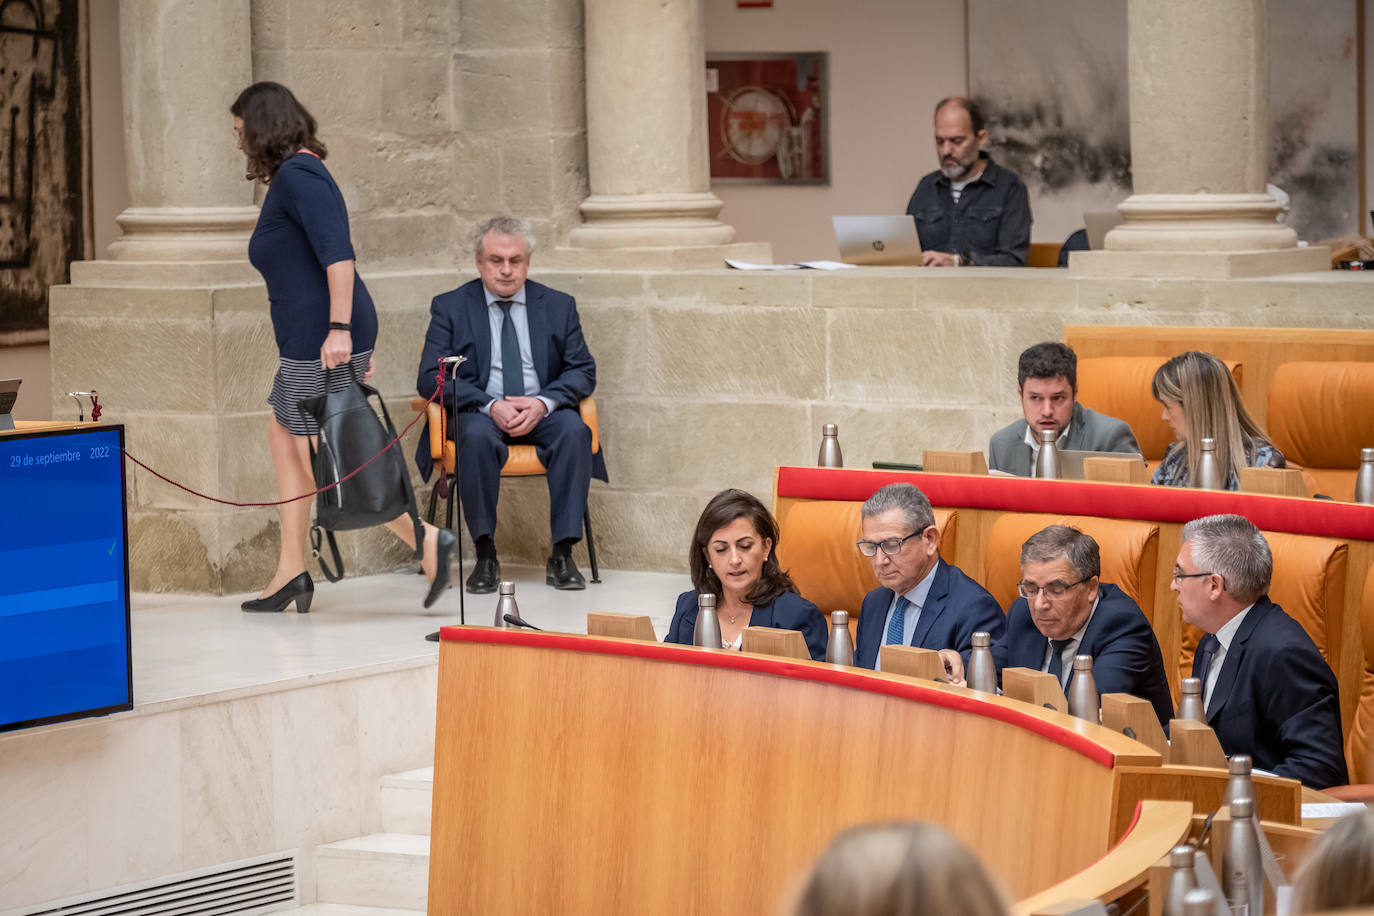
816,547
1129,550
1359,745
1319,417
1308,583
1119,386
521,460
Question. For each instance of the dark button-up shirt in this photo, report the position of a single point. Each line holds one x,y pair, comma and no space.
989,226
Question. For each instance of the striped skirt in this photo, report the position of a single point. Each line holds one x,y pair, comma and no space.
297,379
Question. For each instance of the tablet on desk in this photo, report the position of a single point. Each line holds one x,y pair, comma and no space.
1071,461
878,240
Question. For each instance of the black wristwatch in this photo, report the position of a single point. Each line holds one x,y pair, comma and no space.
340,326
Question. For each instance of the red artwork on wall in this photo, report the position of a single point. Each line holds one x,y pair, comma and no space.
766,116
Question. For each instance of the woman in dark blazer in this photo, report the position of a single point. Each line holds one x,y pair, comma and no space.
733,556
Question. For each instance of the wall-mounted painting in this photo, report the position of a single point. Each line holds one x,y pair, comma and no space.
1052,77
766,117
41,175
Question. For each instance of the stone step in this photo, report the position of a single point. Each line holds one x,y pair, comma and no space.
406,799
379,870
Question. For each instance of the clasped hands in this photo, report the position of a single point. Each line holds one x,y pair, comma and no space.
517,416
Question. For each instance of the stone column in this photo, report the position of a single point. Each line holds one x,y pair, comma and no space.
1199,96
183,62
646,128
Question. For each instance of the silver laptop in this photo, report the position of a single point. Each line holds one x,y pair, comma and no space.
871,240
1071,461
1099,223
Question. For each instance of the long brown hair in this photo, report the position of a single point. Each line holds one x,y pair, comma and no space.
1212,408
724,508
275,127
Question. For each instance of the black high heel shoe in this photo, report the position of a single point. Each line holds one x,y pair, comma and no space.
443,547
300,590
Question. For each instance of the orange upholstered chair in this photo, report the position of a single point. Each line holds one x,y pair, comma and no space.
1129,552
816,547
1320,416
1308,583
521,461
1119,386
1359,744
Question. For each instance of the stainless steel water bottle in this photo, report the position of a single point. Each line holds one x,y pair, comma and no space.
1238,786
1190,700
1364,478
1047,459
830,456
1084,700
1208,471
1182,879
1200,902
707,632
505,604
981,673
1241,878
841,648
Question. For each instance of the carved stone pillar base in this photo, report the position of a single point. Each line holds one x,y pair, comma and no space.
184,234
651,220
1200,222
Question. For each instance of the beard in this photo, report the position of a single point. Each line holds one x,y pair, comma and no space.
956,170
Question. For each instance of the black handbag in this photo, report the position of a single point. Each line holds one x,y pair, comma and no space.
352,435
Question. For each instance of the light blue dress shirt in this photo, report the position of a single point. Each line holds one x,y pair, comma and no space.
496,380
917,596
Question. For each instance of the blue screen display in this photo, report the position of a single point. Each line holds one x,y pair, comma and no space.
64,597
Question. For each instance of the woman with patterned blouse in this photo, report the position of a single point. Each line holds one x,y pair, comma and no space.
1200,401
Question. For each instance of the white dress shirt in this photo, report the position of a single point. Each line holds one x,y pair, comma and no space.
1225,633
917,596
497,379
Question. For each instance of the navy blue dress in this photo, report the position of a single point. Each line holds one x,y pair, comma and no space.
302,229
788,611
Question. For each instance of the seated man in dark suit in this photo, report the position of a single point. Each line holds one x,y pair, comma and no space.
1047,381
922,601
527,369
1266,688
1065,610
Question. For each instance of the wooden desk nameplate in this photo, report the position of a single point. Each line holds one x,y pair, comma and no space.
1039,688
771,641
1274,481
1194,744
938,462
909,661
621,626
1115,470
1134,718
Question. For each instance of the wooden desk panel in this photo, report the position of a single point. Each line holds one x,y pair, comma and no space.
577,774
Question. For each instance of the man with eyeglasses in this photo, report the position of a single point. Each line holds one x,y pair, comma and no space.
1066,610
1266,688
921,600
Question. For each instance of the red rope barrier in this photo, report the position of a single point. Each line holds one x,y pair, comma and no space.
438,393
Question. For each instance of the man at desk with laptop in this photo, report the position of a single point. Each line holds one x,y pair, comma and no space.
1047,381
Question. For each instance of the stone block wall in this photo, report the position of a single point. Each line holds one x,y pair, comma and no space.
706,380
437,114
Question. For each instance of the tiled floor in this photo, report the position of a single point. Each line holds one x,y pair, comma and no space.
189,645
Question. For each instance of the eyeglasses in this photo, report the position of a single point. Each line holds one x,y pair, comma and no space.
1180,574
1053,590
889,546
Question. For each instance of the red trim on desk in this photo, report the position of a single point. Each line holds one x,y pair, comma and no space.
1323,518
841,677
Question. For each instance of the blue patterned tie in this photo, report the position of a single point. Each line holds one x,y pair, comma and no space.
512,368
897,624
1206,650
1057,647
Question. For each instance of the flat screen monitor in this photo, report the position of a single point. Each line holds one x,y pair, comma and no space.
64,577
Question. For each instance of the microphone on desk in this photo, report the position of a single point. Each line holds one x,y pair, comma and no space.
520,622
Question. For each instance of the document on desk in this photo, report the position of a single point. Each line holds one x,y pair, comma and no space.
813,265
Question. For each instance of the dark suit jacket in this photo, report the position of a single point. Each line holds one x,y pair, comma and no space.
458,326
956,608
1126,656
1277,700
788,611
1089,431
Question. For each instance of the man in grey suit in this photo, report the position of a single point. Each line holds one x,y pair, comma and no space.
1047,380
